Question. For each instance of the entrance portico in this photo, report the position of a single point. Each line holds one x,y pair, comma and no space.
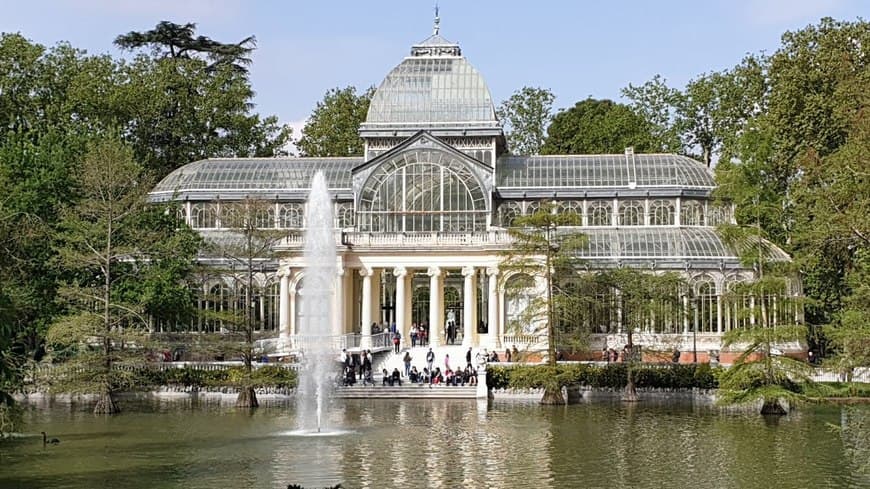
375,292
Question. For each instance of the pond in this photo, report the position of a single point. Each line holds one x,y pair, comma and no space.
437,443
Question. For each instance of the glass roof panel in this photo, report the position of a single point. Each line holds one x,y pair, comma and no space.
263,174
597,171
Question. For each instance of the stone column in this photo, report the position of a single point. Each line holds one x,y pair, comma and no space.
492,326
366,314
338,305
436,322
719,313
468,302
284,309
292,314
400,273
685,314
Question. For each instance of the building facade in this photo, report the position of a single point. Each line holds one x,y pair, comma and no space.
421,219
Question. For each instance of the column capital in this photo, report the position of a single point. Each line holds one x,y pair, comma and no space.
467,271
434,271
491,271
284,271
365,272
400,271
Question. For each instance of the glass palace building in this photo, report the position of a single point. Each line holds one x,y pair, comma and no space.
421,218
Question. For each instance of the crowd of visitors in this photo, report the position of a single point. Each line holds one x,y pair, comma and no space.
358,368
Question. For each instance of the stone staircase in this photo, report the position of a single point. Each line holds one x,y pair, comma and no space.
418,358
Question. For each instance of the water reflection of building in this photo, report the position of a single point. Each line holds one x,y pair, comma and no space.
420,222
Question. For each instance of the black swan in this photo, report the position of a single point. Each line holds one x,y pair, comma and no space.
48,441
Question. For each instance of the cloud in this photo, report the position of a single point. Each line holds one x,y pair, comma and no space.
297,133
778,12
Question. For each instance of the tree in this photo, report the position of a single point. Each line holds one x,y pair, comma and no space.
250,244
170,40
101,237
599,126
761,372
707,116
333,127
525,116
545,252
642,297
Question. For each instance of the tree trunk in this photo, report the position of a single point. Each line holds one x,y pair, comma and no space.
247,398
630,394
553,395
773,407
106,404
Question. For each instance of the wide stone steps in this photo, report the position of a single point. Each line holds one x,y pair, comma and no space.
406,391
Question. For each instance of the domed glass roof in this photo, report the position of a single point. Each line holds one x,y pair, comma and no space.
434,87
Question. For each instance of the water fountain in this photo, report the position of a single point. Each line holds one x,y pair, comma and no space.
317,374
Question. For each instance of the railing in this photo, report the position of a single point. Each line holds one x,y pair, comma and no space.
414,239
382,340
857,375
524,341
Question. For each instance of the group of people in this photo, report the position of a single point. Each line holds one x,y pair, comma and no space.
510,355
354,366
610,355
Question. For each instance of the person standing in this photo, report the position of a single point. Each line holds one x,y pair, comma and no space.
468,357
397,340
430,359
407,361
446,362
413,335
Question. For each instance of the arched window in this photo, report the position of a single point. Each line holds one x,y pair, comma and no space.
508,211
232,215
264,216
290,216
203,215
520,291
631,213
662,213
600,213
704,312
572,206
423,190
532,207
717,215
344,215
692,213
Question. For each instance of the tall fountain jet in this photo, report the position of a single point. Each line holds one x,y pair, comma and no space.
315,310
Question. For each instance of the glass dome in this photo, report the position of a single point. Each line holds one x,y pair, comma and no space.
435,86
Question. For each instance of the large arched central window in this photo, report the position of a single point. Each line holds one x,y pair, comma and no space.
422,190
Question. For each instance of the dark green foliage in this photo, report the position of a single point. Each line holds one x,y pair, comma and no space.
610,376
599,126
333,127
525,117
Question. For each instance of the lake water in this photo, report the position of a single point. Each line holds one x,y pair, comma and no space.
442,444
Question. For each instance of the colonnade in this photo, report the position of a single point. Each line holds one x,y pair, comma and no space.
359,302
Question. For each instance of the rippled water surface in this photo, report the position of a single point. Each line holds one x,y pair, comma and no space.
426,443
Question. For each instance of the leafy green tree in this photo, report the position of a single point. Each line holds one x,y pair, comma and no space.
525,116
543,251
100,236
333,127
599,126
705,118
250,244
817,83
659,104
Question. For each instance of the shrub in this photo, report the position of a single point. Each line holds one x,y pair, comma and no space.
613,376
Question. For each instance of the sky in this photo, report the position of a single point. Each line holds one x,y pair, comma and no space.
575,48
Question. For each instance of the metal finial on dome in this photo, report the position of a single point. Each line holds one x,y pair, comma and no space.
437,26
